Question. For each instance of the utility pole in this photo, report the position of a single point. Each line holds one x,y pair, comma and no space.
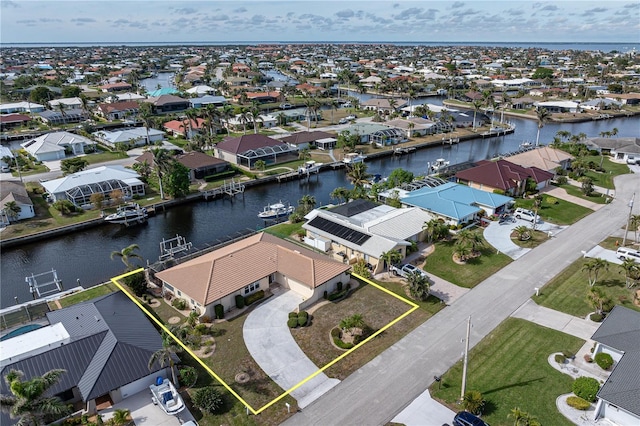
626,229
466,357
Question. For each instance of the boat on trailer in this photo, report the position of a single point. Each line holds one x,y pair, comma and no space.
276,210
164,394
128,214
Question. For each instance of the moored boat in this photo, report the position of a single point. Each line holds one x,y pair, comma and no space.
276,210
128,214
309,167
164,394
438,165
353,157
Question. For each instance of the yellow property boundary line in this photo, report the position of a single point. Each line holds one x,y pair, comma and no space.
414,306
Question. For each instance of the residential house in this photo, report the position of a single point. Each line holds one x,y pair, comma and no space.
115,87
250,265
619,336
502,176
24,106
544,157
456,204
104,345
11,121
78,187
63,117
118,110
559,106
362,229
524,102
207,100
201,90
186,128
56,145
262,97
15,191
303,140
119,97
168,103
200,165
619,148
379,134
72,103
247,149
383,105
131,137
625,98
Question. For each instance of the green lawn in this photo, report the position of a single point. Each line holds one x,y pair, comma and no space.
88,294
595,197
101,157
562,213
284,230
612,170
567,292
509,367
440,263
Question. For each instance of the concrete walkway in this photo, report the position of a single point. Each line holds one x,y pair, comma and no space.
271,345
562,194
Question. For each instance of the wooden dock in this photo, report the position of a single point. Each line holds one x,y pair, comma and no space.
297,175
231,189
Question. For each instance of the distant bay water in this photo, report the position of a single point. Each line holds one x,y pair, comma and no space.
589,46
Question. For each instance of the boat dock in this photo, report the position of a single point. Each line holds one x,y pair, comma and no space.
231,189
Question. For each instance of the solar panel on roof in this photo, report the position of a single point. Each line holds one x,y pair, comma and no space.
354,207
339,230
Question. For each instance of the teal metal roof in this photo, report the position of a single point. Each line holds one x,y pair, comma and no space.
163,91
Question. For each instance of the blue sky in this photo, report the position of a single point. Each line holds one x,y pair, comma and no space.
24,21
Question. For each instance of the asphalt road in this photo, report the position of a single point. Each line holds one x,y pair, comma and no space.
374,394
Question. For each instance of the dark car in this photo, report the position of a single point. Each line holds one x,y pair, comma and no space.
465,418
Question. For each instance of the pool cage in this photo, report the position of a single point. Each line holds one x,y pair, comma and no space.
268,154
391,136
81,195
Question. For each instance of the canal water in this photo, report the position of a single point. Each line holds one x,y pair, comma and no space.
85,255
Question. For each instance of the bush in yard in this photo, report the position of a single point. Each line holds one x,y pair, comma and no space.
293,315
560,359
578,403
473,401
303,314
239,301
219,310
179,304
604,360
302,321
586,388
208,399
188,376
596,317
561,180
248,300
205,319
201,329
292,322
137,283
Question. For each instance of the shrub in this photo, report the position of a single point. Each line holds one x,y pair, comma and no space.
179,304
568,354
219,310
604,360
578,403
188,376
586,388
293,315
205,319
562,180
302,321
201,328
596,317
303,314
239,301
551,200
208,399
560,359
137,283
335,334
252,298
292,322
473,401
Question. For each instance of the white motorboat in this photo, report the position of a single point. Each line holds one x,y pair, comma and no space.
438,165
274,211
164,394
128,214
353,157
309,167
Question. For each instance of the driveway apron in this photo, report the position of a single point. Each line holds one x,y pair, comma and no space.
271,345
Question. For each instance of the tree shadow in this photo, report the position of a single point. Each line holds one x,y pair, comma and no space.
513,385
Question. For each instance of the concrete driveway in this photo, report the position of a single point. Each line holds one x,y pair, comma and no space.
144,412
603,253
425,411
271,345
499,235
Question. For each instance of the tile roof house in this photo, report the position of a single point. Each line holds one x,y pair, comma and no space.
131,136
14,191
53,146
8,121
167,103
619,336
302,140
455,203
247,149
619,148
362,229
104,345
115,87
118,110
185,128
200,165
250,265
502,175
544,157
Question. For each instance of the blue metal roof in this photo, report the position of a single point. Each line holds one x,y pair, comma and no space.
163,91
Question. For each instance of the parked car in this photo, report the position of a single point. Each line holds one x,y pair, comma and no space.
351,117
465,418
286,106
406,269
525,214
343,121
626,253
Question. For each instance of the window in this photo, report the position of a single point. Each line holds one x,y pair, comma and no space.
168,287
252,287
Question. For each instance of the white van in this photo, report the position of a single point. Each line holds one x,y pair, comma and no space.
626,253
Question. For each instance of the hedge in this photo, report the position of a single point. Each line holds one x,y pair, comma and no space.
239,301
335,334
586,388
248,300
221,175
560,359
604,360
219,310
578,403
179,304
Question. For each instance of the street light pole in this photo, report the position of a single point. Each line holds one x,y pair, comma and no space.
626,229
466,357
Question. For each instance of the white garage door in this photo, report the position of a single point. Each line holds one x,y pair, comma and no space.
140,384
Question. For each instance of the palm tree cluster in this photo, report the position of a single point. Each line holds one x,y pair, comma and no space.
435,230
467,245
418,286
593,267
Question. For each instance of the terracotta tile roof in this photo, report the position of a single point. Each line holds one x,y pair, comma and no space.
306,137
14,118
229,269
502,174
178,125
196,160
245,143
107,108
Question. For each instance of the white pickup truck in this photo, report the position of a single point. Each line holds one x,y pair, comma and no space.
406,269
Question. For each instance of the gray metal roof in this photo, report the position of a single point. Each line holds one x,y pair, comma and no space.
620,330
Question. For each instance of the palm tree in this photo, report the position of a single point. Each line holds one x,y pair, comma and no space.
358,174
593,267
517,415
341,194
598,299
537,203
543,116
244,118
434,229
120,417
12,210
255,117
389,258
126,254
161,162
469,239
634,223
473,401
62,109
307,203
631,272
166,354
418,285
461,251
522,232
28,400
225,114
354,321
146,115
334,105
477,104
